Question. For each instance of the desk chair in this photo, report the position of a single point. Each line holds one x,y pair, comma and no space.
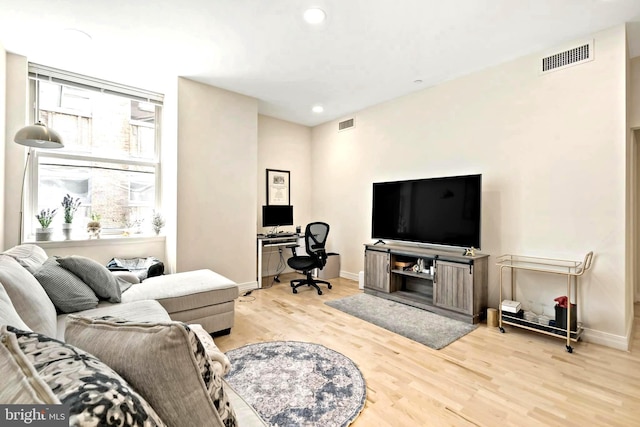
315,237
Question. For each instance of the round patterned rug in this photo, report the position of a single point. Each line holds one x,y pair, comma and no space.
292,383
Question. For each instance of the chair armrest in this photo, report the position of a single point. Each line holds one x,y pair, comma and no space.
293,249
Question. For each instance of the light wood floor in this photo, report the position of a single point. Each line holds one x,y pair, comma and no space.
486,378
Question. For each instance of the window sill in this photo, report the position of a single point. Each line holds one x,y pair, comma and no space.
106,240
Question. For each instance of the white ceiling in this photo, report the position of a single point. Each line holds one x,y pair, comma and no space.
365,53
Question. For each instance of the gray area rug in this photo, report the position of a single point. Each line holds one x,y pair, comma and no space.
291,383
419,325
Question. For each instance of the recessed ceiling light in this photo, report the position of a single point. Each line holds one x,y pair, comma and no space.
314,16
417,81
317,109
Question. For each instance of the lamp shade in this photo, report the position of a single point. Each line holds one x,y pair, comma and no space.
38,135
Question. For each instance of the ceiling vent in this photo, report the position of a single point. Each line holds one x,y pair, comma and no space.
568,58
346,124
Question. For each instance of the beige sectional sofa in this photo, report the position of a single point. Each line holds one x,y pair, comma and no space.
155,311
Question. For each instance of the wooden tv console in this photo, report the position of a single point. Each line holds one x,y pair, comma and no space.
457,288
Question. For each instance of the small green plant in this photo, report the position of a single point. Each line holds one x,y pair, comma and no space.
46,216
95,217
157,222
70,206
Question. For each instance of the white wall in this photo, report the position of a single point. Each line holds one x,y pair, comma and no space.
284,145
634,114
552,153
217,181
103,250
17,116
3,109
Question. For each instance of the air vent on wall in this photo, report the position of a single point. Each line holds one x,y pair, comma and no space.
346,124
567,58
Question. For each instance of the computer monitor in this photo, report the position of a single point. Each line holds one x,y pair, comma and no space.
276,215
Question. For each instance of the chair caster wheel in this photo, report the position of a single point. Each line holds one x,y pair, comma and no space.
502,330
319,292
329,286
570,349
295,291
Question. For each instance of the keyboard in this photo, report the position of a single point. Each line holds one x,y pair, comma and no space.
271,236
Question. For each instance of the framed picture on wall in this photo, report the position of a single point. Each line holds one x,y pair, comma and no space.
278,189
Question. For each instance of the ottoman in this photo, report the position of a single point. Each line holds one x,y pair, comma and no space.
199,296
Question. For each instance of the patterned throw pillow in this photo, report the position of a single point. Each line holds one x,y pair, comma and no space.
67,292
96,395
164,361
20,381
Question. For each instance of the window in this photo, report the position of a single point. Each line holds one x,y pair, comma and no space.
110,159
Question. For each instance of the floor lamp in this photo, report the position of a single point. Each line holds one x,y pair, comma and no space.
34,136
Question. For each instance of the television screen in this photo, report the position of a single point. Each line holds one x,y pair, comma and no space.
275,215
442,211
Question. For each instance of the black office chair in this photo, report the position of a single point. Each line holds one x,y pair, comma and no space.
315,237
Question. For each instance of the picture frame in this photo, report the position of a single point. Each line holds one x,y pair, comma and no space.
278,187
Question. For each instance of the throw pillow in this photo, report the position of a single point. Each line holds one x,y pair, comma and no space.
98,277
8,314
28,297
212,349
96,395
164,361
20,381
30,257
67,292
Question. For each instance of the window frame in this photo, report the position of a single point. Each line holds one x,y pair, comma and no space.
39,73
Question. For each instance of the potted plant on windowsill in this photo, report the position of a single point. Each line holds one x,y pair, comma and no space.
157,222
70,206
94,227
44,218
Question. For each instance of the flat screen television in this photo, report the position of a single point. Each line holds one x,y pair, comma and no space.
440,211
276,215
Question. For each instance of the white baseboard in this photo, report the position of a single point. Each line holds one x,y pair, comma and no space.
617,342
349,276
248,286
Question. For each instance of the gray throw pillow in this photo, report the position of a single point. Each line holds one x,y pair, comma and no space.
164,361
67,292
104,283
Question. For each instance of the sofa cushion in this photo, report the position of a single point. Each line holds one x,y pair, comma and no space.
27,296
8,314
165,362
185,291
67,292
30,257
96,395
104,284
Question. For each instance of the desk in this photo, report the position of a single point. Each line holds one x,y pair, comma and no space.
267,242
